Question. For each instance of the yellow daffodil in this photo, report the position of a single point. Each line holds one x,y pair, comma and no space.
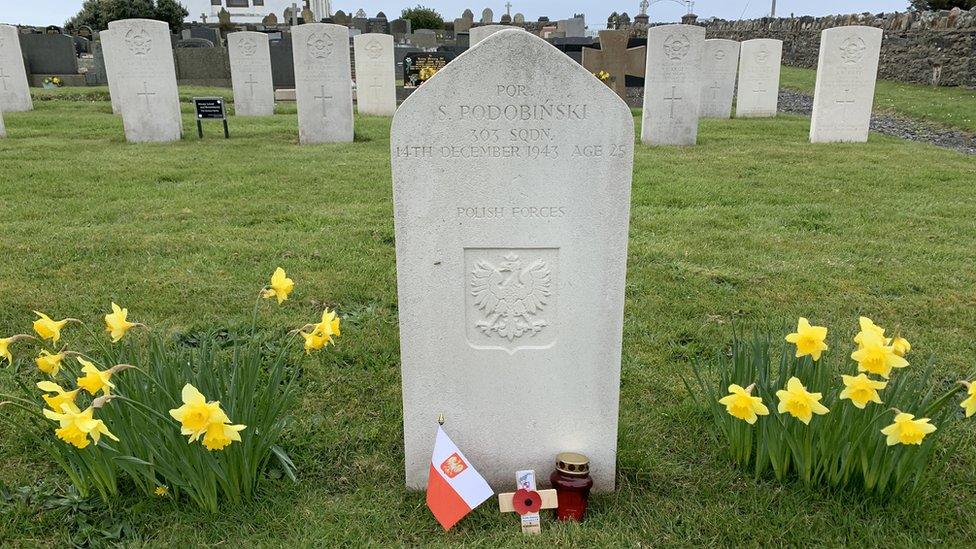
907,430
220,435
322,333
280,286
77,426
196,415
799,403
861,389
5,349
901,346
58,395
49,329
741,404
868,328
95,380
117,324
875,357
970,403
809,339
48,363
161,491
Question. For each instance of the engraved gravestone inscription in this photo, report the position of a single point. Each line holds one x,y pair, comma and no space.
846,76
250,71
511,181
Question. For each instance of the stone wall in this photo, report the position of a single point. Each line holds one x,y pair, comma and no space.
926,47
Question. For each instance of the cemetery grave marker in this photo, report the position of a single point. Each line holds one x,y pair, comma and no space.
720,63
109,50
142,54
616,58
846,76
672,89
375,74
250,71
14,90
512,171
323,83
759,68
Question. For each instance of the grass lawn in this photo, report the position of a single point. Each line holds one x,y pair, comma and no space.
950,107
754,225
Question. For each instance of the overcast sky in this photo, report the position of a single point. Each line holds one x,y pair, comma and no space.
46,12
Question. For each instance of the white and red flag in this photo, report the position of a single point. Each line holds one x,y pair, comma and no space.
454,488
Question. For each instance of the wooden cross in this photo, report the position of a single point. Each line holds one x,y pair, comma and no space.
527,502
616,58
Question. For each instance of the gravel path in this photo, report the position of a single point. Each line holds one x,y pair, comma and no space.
913,130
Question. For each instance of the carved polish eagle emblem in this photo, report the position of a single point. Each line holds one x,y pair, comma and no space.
511,296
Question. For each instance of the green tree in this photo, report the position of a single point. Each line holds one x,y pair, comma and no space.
929,5
98,13
423,18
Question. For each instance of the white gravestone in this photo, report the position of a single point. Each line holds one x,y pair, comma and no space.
720,62
14,91
109,51
846,76
375,74
672,85
3,128
477,34
759,66
146,74
511,189
250,71
323,83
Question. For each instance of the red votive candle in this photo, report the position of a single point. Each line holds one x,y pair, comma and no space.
572,482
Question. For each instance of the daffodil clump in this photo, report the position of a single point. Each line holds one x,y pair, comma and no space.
851,419
119,404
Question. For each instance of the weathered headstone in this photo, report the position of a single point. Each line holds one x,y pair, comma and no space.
720,63
759,66
3,128
109,51
14,91
511,182
142,53
616,59
477,34
375,74
519,19
250,71
672,86
846,76
323,83
487,16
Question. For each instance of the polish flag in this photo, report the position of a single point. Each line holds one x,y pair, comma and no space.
454,488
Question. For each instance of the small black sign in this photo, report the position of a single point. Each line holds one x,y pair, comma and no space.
209,108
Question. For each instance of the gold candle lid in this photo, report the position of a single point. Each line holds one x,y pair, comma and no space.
573,464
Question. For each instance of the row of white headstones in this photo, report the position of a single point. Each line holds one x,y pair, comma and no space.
688,77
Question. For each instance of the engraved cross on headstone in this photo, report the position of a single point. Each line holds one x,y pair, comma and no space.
375,85
145,92
3,79
715,87
848,102
615,58
323,98
673,98
251,82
